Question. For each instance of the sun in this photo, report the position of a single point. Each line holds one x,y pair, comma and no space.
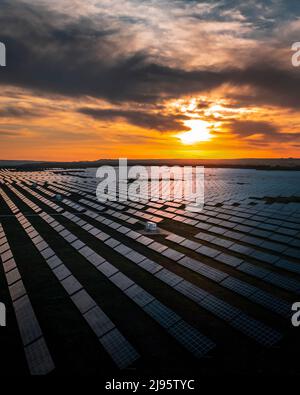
199,132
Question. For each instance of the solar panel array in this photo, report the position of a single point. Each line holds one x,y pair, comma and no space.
235,263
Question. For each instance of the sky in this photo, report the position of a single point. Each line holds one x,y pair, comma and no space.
92,79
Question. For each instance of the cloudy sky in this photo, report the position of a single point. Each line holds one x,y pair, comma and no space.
90,79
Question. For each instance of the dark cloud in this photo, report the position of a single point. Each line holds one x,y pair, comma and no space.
18,112
268,131
249,128
50,52
272,85
145,120
285,137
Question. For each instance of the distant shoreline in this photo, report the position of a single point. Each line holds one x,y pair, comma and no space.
256,164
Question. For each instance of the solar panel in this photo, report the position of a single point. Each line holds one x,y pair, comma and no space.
38,358
37,240
172,254
205,236
119,349
64,233
191,291
98,321
6,256
132,221
3,240
29,229
222,242
42,246
208,251
107,221
86,251
203,226
220,308
124,230
83,301
252,240
273,303
189,263
292,252
4,247
234,235
280,238
87,227
215,221
213,241
190,221
241,249
58,227
243,228
28,325
13,276
47,253
253,270
107,269
96,259
139,295
71,285
102,236
112,242
31,232
150,266
121,281
238,286
71,238
168,277
209,272
157,247
256,330
61,272
114,225
122,249
135,257
217,229
144,240
229,260
283,282
78,244
162,314
94,231
175,238
198,344
134,235
17,290
54,262
265,257
190,244
287,265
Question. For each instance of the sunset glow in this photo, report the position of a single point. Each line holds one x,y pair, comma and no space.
199,132
96,80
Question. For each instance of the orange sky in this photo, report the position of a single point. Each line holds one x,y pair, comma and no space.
131,80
